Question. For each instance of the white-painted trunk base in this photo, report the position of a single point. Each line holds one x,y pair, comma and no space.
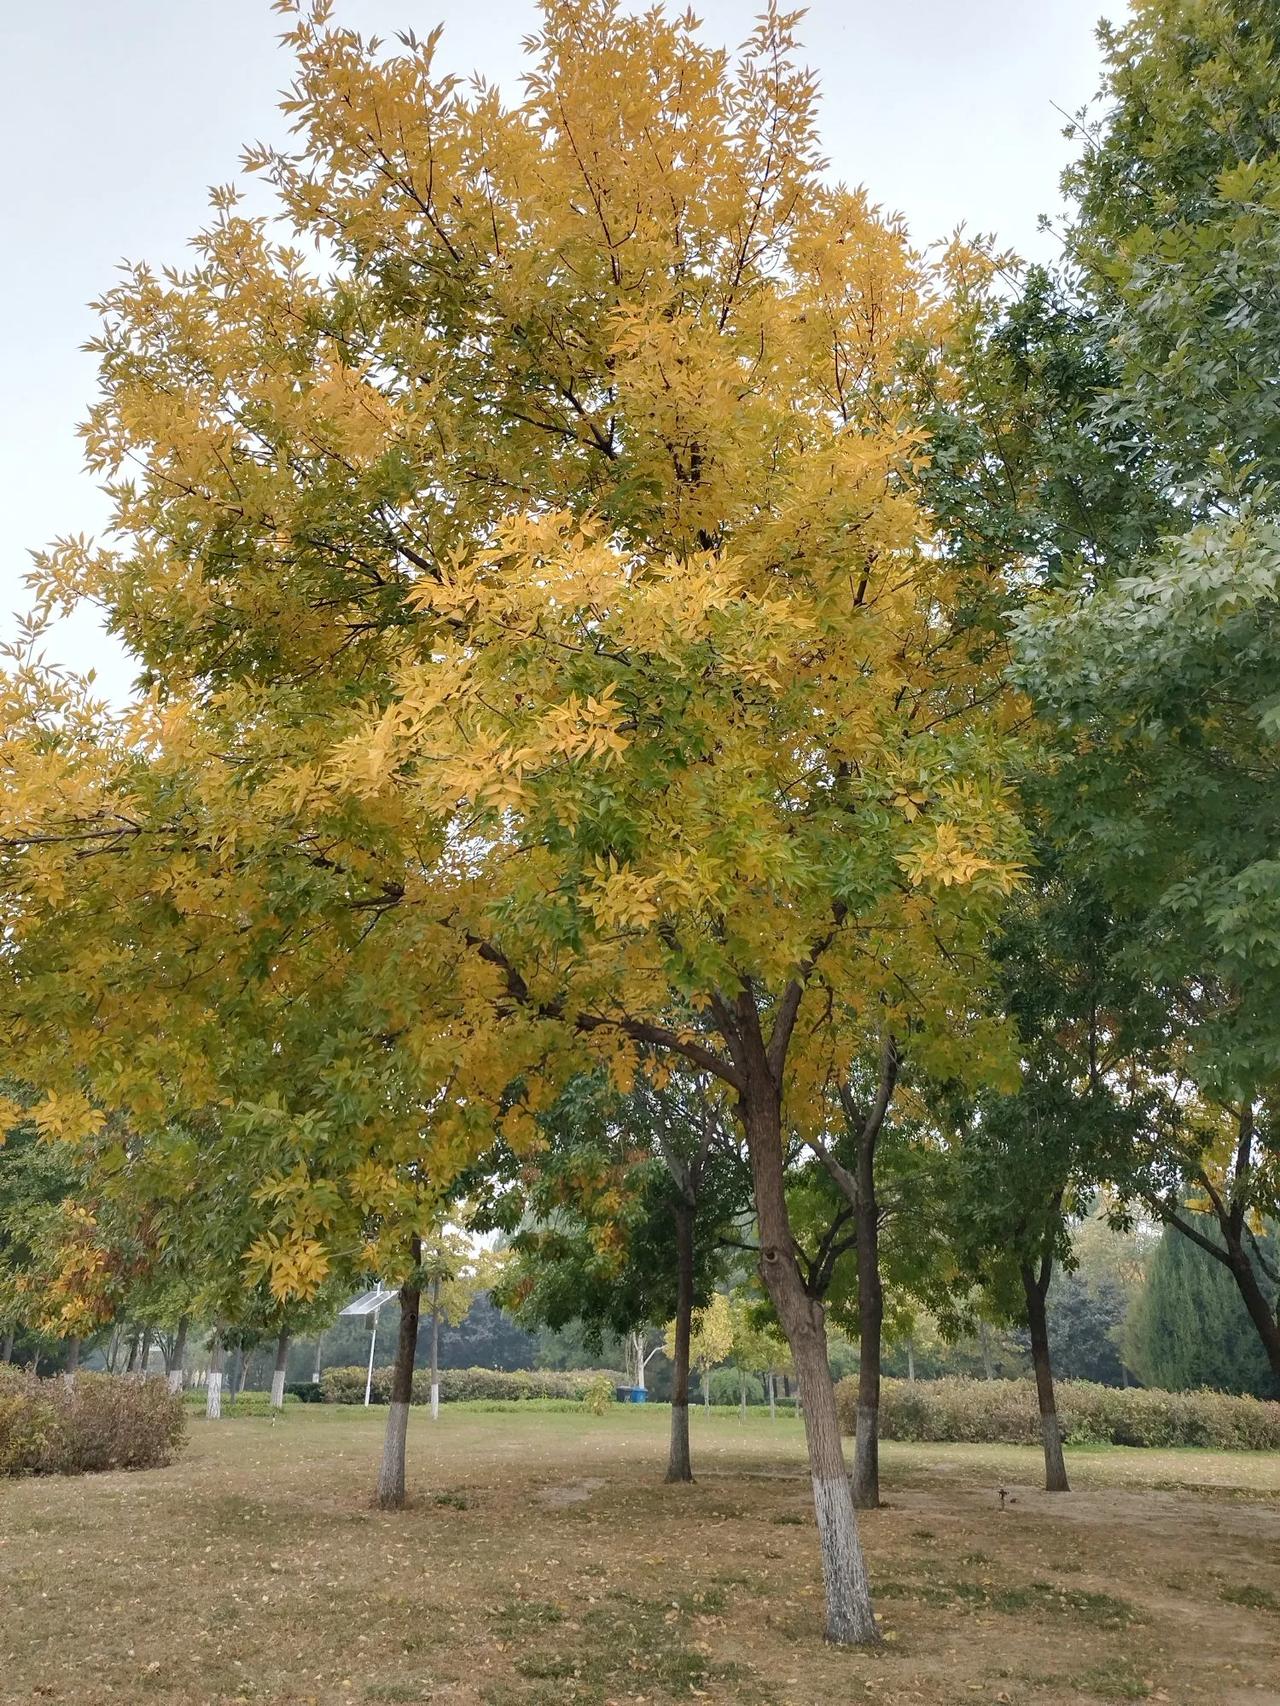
277,1389
213,1398
175,1381
435,1400
391,1474
850,1618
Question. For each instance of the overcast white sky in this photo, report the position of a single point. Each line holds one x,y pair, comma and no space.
120,114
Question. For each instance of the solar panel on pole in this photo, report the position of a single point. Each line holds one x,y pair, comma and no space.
369,1304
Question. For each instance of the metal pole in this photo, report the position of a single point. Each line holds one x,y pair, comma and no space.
373,1339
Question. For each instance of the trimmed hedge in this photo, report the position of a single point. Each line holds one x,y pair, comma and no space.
104,1421
1004,1412
463,1385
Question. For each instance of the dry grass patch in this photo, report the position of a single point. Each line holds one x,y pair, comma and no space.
543,1561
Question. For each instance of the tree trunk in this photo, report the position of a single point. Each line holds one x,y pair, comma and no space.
242,1370
773,1396
742,1396
1260,1310
316,1371
911,1361
1036,1287
6,1351
850,1618
178,1356
73,1361
866,1443
144,1353
435,1349
391,1494
679,1465
213,1392
279,1372
984,1344
706,1390
131,1362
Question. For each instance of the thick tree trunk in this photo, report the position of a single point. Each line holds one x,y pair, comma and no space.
866,1444
679,1465
213,1391
391,1493
435,1350
280,1370
131,1362
1036,1287
73,1361
850,1618
178,1356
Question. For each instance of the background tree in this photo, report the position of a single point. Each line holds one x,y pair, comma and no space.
1188,1327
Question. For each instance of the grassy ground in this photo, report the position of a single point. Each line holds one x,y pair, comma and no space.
543,1561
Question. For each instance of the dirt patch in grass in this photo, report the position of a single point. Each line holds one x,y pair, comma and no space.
255,1569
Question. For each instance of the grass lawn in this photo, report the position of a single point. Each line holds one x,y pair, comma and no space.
543,1561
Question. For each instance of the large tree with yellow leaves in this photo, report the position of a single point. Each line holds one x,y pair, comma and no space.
549,657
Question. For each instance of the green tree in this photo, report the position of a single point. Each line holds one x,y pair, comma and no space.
1158,665
1188,1327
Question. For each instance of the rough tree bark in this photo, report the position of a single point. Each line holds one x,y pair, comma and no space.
679,1465
73,1361
850,1617
391,1495
1035,1283
213,1391
279,1371
178,1356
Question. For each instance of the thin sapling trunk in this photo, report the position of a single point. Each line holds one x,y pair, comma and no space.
213,1392
178,1356
435,1349
1035,1284
279,1372
679,1465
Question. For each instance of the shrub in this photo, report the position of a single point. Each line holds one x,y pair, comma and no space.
1005,1412
305,1391
598,1397
463,1385
104,1421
